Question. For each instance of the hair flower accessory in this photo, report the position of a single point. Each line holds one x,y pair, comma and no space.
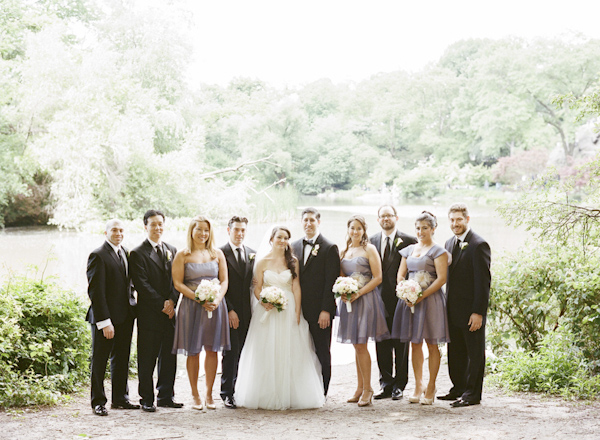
463,245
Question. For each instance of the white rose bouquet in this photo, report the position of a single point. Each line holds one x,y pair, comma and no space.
274,296
345,286
207,291
410,291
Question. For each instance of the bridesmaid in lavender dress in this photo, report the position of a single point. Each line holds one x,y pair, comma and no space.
194,330
427,263
366,321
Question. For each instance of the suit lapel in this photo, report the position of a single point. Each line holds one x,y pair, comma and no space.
392,250
116,259
232,261
460,251
311,256
153,255
249,264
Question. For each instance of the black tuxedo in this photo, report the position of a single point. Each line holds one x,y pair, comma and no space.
153,281
317,277
109,289
391,352
468,291
237,298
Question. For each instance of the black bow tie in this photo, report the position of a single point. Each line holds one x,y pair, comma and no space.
307,242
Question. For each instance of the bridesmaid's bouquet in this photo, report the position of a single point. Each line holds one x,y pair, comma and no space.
410,291
346,286
273,295
207,291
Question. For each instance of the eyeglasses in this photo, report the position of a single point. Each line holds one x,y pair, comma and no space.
385,216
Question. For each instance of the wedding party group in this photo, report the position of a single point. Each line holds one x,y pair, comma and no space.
271,312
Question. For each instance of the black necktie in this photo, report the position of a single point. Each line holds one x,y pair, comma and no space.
159,252
386,253
122,258
456,248
240,260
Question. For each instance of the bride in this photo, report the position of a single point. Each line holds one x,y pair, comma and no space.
278,367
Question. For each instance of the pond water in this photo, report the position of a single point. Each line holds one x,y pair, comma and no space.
64,253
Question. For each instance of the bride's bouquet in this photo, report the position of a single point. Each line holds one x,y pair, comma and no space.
346,286
275,296
207,291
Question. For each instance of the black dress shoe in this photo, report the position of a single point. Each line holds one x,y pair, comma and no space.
100,410
385,394
460,403
170,404
124,405
397,394
449,396
148,408
229,402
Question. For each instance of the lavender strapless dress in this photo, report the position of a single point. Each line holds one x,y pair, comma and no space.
430,321
367,319
194,330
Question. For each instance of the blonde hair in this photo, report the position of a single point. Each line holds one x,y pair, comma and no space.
210,246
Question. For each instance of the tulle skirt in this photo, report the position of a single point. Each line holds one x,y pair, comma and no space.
366,321
194,330
278,367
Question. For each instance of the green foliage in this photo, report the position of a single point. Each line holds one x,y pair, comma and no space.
44,342
557,367
422,182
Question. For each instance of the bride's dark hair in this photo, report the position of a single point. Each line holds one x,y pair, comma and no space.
290,259
364,240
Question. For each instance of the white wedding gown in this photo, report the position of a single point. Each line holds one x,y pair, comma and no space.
278,366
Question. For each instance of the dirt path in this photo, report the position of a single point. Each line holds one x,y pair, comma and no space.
522,416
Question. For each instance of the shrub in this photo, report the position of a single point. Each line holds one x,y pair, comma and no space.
557,367
44,342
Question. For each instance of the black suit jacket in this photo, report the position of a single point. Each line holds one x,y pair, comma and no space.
238,290
109,287
469,278
317,277
390,269
153,281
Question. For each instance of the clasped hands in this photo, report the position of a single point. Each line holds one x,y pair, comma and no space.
169,308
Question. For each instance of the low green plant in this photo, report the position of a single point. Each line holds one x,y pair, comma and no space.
44,342
557,367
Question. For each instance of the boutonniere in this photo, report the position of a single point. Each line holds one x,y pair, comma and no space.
169,255
251,256
463,245
315,250
397,242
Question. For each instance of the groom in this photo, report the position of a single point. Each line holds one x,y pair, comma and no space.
468,292
392,355
319,268
240,264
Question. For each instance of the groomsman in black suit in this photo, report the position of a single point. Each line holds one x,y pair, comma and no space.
240,264
468,291
392,355
319,268
157,298
111,316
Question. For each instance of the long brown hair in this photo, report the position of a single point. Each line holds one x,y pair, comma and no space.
290,260
210,243
364,240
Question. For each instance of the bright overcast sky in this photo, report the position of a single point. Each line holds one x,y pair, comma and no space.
289,42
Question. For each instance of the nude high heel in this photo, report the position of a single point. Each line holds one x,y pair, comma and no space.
425,401
356,397
197,404
362,402
416,398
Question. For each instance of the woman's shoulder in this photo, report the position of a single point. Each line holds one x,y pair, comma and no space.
407,251
436,251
